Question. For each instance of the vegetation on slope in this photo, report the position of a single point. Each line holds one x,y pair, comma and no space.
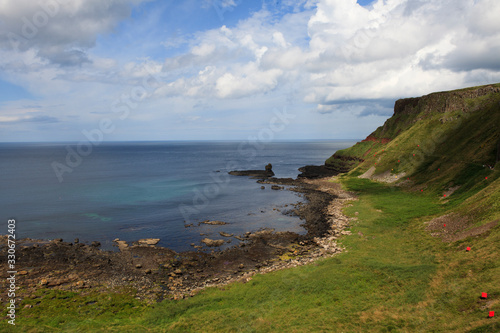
456,132
406,268
394,276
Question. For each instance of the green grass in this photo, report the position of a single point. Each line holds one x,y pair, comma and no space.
63,311
459,141
394,277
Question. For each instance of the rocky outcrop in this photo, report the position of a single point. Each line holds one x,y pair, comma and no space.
408,111
341,163
316,171
148,241
266,173
212,242
449,106
213,222
442,101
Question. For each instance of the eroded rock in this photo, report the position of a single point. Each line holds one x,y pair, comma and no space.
212,242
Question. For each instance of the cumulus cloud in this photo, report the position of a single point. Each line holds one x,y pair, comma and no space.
248,81
60,30
398,48
330,56
342,52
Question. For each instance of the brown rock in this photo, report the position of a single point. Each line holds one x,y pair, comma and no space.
212,242
148,241
213,222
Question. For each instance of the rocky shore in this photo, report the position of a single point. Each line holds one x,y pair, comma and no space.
157,273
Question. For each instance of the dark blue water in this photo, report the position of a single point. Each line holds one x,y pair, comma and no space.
148,189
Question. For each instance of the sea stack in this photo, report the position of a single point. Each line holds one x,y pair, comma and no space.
261,174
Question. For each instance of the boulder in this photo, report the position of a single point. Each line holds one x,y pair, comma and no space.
212,242
148,241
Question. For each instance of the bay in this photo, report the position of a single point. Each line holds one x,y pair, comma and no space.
133,190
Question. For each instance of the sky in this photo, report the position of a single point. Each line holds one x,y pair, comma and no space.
127,70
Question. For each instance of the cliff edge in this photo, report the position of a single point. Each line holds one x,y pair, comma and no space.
429,131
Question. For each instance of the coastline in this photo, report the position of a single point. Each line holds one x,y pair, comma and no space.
158,273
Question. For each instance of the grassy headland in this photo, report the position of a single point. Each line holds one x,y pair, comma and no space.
403,270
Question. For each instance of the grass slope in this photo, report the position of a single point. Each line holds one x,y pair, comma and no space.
394,277
450,131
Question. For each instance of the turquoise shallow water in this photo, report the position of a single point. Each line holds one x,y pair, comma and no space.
149,189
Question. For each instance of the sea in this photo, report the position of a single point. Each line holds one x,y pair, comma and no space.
134,190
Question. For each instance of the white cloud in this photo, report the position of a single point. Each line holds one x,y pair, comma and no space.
60,30
392,49
248,81
330,56
398,48
279,40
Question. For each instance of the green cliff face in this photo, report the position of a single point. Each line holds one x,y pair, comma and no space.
445,142
440,129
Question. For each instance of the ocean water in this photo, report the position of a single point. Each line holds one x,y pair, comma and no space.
133,190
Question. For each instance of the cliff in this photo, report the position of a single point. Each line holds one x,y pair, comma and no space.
445,144
455,124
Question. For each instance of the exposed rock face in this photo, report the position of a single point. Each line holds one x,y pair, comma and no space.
449,106
442,101
408,111
340,164
268,172
316,171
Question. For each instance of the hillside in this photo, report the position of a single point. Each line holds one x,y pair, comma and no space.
422,244
439,129
446,143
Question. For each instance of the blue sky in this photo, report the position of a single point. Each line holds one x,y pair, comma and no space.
222,69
